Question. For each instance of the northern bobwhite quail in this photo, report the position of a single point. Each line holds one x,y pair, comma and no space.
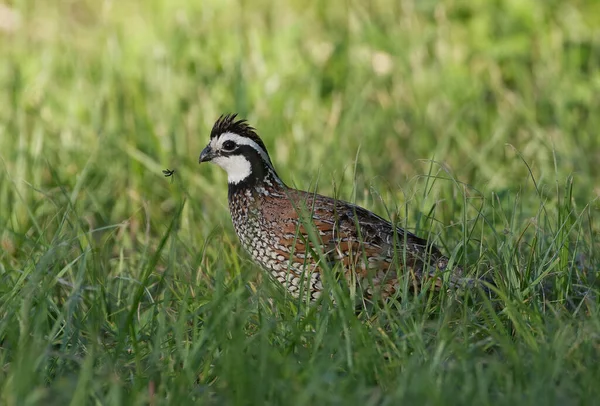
274,223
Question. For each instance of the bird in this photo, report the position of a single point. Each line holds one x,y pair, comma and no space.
298,236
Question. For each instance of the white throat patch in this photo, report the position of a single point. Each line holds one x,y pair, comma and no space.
237,167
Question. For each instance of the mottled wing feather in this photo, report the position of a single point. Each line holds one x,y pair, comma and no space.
367,249
365,243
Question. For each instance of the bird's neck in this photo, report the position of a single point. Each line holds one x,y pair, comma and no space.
264,181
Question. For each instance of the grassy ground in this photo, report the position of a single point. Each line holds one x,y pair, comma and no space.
472,122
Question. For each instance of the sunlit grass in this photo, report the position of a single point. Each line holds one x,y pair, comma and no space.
470,123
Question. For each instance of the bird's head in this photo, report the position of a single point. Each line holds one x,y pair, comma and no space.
235,147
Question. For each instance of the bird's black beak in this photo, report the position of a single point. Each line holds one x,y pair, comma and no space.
206,155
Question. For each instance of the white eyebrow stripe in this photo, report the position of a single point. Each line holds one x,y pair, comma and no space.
217,143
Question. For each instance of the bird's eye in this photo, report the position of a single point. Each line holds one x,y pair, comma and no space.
228,146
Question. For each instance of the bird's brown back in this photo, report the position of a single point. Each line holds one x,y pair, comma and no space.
303,230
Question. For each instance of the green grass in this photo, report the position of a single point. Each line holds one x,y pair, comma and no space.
473,123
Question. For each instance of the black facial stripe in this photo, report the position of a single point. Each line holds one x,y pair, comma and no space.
223,152
259,169
250,154
242,149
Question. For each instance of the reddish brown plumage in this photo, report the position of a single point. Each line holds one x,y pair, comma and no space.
362,244
296,236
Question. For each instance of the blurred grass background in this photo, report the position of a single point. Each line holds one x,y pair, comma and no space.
475,121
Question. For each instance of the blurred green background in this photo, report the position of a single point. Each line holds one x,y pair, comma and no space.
476,121
107,93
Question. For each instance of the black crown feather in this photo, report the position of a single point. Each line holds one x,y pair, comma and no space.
227,123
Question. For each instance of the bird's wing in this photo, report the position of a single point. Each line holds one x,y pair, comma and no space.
354,232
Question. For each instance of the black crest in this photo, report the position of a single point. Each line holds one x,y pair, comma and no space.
229,124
